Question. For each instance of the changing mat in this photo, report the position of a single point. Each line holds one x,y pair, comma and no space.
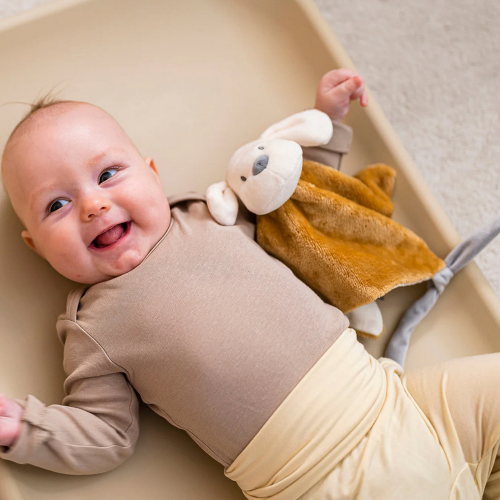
190,81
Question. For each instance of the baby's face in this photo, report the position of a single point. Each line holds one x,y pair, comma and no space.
91,205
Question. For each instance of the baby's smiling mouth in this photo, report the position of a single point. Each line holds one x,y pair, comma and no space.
111,236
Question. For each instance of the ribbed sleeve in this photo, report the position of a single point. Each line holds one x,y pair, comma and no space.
331,153
96,427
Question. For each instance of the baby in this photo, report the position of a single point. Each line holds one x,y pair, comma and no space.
220,338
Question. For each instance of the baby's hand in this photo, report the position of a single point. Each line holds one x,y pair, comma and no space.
10,420
337,89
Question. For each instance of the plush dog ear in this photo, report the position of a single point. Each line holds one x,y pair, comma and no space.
307,128
222,203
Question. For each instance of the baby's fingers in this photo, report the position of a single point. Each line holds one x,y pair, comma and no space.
360,94
334,78
353,89
346,89
364,99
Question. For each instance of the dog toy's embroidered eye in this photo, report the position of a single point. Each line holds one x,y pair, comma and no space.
57,205
105,175
260,147
243,178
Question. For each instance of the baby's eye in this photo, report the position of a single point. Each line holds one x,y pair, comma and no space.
57,205
107,174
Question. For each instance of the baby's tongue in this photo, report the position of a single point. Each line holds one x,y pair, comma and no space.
110,236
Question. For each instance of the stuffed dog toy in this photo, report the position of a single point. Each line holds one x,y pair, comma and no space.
334,231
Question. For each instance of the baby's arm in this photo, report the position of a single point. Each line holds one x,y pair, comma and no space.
96,427
331,153
336,90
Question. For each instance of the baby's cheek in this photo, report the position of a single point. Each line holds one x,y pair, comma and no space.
144,201
64,253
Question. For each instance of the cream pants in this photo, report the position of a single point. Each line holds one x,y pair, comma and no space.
357,428
459,404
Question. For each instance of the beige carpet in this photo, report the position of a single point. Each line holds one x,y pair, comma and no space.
434,67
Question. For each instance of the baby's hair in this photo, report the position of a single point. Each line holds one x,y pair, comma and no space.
46,101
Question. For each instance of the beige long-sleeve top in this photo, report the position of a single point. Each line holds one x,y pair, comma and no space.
209,330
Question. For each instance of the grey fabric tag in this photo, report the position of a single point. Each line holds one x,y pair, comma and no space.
456,260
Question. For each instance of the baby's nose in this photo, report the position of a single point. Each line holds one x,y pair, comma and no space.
94,206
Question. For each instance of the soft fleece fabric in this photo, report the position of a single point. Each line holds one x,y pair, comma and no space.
337,235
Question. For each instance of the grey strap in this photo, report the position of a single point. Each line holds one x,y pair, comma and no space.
456,259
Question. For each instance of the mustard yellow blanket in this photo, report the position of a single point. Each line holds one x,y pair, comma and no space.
336,234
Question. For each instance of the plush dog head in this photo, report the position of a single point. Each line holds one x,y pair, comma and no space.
265,172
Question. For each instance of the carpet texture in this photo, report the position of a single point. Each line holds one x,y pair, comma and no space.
434,67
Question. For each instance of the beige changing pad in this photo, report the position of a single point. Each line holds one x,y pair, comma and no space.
190,81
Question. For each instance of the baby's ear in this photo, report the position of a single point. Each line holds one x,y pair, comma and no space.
25,235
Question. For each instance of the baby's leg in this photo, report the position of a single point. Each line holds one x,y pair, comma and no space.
461,399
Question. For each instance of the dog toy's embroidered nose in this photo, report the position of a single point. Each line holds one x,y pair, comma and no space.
260,164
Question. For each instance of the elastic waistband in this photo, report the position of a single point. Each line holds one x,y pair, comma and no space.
325,416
